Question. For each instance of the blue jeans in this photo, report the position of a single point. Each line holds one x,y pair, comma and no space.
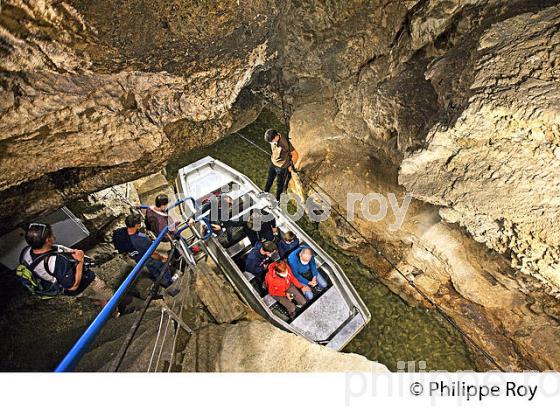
274,172
154,267
321,284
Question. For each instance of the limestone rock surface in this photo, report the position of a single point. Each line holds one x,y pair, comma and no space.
257,346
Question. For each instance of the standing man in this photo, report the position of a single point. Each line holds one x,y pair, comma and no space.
282,158
157,217
156,263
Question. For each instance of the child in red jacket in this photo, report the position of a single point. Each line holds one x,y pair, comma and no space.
284,287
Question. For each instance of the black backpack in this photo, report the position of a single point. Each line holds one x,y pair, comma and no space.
121,241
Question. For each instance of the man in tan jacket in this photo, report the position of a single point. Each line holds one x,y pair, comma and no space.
281,160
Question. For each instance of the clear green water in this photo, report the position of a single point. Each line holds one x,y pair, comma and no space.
397,331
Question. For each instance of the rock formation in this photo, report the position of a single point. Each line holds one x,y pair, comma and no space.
496,169
455,102
257,346
88,102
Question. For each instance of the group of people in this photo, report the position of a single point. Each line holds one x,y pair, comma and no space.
135,243
293,278
53,269
287,270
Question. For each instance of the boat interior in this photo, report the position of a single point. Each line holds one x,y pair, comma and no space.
237,245
322,319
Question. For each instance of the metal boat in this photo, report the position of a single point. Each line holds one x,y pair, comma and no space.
332,318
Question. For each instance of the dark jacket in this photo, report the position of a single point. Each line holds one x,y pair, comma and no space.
265,233
141,244
256,262
284,249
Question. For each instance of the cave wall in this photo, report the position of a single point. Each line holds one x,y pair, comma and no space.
98,93
496,169
455,103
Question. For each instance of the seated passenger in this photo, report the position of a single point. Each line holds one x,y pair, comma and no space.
259,258
58,270
257,227
260,227
284,287
305,270
141,243
287,244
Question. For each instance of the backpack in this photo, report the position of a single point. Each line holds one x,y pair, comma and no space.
31,282
148,220
121,241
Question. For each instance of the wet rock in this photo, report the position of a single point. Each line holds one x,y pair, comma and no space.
254,346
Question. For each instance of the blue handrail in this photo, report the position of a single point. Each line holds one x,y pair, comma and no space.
208,233
180,201
75,354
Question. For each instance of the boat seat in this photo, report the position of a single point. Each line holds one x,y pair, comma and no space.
269,300
249,276
239,247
